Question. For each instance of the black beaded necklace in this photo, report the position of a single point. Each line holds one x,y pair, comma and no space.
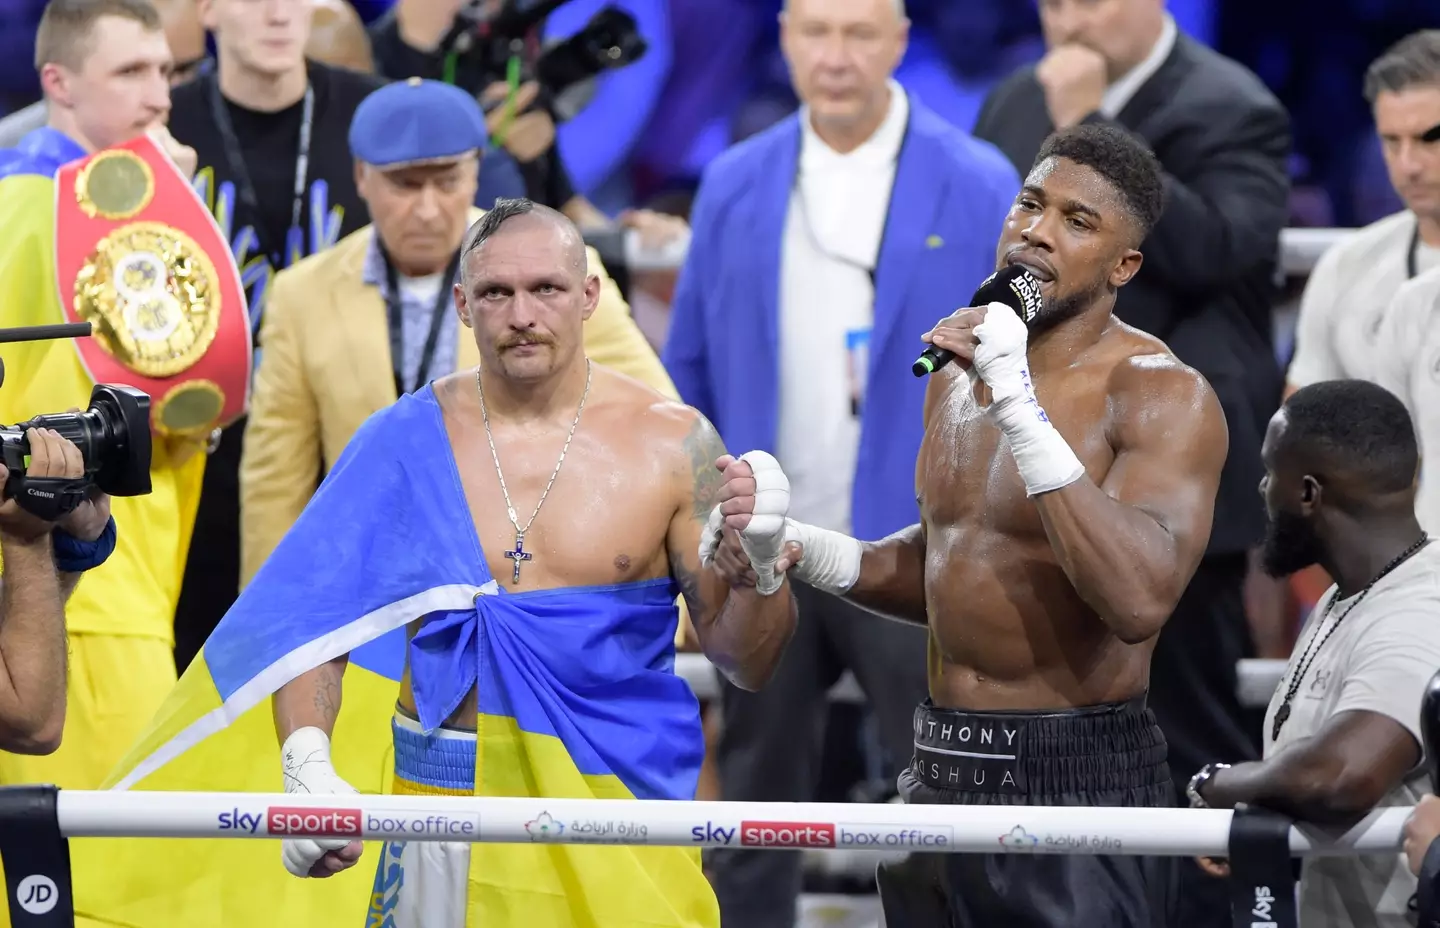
1283,713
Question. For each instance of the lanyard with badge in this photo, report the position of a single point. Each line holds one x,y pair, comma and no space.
395,315
244,186
857,341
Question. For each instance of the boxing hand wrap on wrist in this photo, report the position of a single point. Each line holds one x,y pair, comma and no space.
830,561
764,538
1045,460
306,759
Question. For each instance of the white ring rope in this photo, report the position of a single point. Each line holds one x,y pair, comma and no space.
1256,680
1300,248
870,826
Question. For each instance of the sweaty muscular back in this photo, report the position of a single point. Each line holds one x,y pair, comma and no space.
1008,625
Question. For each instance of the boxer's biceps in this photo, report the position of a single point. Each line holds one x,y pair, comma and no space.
1170,451
701,488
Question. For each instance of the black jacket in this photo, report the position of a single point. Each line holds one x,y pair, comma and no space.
1207,284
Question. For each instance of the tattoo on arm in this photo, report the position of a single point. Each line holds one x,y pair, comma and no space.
702,447
327,694
689,582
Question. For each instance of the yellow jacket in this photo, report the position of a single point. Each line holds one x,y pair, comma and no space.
326,369
135,591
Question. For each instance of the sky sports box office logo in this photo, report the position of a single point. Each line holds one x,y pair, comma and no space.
308,822
822,834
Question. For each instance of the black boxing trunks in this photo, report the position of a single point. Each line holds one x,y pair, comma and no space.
1107,755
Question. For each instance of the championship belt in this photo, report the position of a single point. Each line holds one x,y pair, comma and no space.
140,258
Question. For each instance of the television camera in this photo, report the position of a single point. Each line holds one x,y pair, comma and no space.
494,39
113,436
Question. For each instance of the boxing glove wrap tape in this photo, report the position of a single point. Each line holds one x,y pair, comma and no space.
1043,456
306,759
764,538
831,561
306,756
1044,459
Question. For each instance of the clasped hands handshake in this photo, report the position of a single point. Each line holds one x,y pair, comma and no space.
749,538
53,456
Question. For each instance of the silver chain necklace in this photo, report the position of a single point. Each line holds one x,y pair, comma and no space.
520,554
1317,641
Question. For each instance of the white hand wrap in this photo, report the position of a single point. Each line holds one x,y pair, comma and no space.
306,756
764,538
831,561
1043,457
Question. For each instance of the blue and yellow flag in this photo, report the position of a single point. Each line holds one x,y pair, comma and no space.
577,699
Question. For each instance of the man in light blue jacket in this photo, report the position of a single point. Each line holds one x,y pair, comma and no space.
823,249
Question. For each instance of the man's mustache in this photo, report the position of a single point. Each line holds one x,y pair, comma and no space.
519,341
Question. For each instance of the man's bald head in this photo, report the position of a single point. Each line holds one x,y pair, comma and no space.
521,214
526,291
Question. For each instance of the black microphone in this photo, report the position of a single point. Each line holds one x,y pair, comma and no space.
1014,286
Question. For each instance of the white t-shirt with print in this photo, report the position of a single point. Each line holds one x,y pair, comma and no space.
1347,298
1379,658
1407,363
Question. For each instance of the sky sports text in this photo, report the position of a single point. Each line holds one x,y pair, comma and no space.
309,822
811,834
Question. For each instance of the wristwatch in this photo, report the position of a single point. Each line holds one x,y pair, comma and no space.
1198,781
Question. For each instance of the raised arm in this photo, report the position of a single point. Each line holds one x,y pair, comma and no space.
1131,543
742,631
33,594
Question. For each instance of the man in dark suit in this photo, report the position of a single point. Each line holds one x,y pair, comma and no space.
1205,289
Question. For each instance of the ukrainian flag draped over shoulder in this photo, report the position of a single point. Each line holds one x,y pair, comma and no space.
577,699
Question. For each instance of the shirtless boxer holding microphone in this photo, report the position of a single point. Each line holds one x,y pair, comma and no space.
1066,486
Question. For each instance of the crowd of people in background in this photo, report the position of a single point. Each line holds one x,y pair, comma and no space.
837,184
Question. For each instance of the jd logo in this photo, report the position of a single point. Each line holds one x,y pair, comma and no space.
37,894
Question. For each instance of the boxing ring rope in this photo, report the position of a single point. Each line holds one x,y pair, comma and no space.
1299,250
776,825
1256,680
36,823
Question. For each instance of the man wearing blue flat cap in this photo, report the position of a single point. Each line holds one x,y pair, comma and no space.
349,330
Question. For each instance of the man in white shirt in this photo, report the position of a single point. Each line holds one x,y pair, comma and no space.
1349,293
1342,734
1407,363
819,247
